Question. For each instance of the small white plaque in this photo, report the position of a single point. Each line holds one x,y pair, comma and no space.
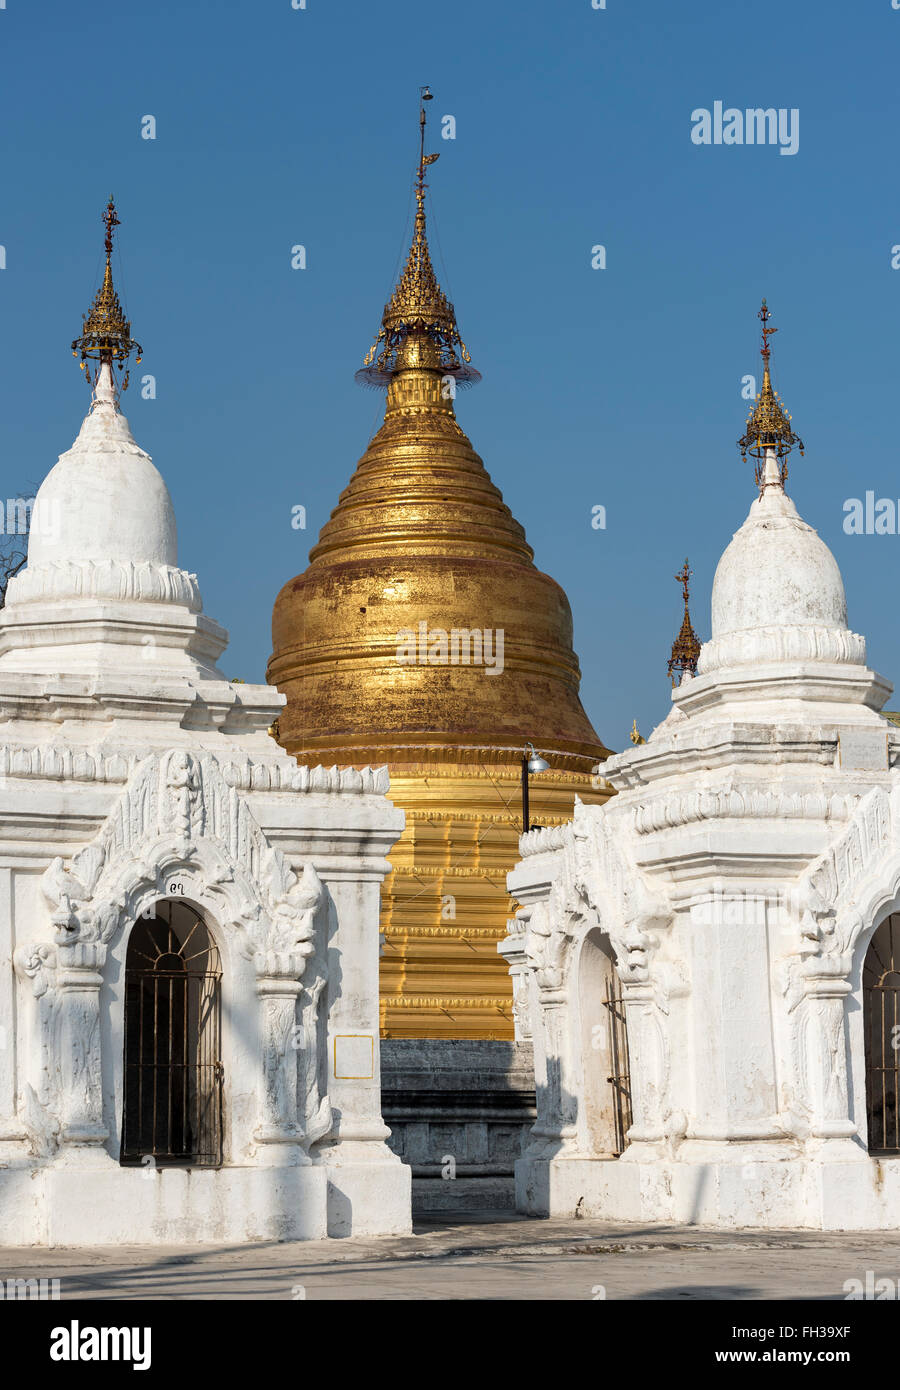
863,750
354,1057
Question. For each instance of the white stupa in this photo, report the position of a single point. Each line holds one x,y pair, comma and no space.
103,539
189,1037
709,959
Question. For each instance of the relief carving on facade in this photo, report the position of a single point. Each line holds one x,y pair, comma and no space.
179,814
852,866
592,881
595,883
177,817
834,899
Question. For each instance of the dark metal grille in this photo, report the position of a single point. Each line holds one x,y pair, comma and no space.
881,1013
172,1108
620,1077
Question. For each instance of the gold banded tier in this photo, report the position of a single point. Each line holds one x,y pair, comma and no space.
421,543
445,905
423,636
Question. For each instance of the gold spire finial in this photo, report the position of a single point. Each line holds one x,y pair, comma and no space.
106,333
110,219
418,327
686,647
768,424
424,159
636,736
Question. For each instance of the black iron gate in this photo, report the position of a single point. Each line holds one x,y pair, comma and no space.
881,1013
172,1109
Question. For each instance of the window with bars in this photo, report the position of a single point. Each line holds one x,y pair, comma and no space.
881,1013
172,1110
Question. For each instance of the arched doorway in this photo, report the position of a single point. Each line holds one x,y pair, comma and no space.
881,1014
606,1080
172,1105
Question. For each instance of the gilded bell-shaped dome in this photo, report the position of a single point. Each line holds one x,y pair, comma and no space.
422,620
423,636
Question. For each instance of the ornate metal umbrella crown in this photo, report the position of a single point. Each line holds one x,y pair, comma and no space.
686,647
106,333
768,424
418,327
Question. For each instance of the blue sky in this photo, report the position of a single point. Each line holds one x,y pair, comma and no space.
619,387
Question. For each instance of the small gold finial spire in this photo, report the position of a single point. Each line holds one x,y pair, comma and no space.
106,333
424,159
635,736
686,647
418,327
768,424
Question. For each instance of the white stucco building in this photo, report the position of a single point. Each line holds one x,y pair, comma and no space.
188,921
709,964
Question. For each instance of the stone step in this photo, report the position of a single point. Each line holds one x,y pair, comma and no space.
463,1194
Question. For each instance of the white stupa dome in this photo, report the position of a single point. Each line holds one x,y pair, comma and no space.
103,524
778,593
101,595
103,500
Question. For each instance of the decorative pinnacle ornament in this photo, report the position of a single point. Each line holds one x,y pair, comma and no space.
418,327
686,647
768,424
106,333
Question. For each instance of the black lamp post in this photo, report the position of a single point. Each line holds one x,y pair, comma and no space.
530,763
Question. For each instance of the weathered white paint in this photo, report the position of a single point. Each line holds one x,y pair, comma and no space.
131,770
738,877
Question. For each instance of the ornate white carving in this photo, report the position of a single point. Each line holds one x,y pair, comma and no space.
156,780
551,927
41,1124
758,645
63,763
649,1055
512,948
833,885
829,918
594,883
317,1106
178,812
285,775
682,808
542,839
608,879
115,580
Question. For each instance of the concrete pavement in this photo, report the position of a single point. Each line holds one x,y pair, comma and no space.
483,1257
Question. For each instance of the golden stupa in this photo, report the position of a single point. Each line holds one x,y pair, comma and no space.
423,636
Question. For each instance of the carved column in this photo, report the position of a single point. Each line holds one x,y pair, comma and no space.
278,989
76,1042
9,1126
512,948
647,1062
354,1082
555,1130
825,1049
